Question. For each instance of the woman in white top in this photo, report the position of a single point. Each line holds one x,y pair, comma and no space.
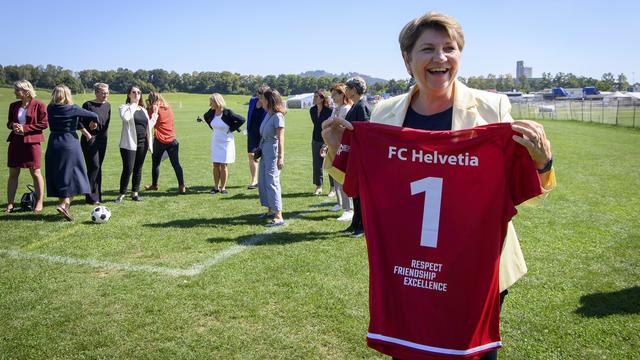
223,122
342,104
134,142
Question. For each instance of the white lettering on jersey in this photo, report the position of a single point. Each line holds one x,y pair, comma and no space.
430,158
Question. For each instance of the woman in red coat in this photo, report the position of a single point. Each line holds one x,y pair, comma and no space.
27,120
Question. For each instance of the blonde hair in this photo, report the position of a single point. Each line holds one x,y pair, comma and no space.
25,85
431,20
61,95
155,98
217,100
274,101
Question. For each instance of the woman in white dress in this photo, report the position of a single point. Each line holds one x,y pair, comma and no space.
223,122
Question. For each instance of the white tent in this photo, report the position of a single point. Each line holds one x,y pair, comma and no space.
300,101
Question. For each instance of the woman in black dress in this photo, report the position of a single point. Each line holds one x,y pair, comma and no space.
64,162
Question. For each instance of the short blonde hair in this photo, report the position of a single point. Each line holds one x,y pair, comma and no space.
431,20
217,100
25,85
61,95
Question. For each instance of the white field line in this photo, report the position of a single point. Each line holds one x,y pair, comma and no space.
192,271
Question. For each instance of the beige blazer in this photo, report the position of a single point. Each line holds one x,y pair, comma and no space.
471,108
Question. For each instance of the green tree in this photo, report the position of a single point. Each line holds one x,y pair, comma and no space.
622,83
607,82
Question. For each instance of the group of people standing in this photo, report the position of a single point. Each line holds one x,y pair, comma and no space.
74,166
350,105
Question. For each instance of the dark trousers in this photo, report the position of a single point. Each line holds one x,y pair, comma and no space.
94,152
132,162
356,221
156,158
317,162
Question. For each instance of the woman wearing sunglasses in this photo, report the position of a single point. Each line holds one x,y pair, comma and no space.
134,142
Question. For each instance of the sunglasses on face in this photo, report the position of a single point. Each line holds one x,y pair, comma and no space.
135,92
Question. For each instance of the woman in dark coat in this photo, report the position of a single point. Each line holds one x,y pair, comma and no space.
319,112
64,162
27,120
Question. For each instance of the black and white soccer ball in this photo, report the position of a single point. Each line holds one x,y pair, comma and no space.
100,214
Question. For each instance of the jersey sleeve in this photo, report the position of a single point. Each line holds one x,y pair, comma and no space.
524,181
347,161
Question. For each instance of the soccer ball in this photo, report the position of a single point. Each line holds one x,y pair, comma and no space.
100,214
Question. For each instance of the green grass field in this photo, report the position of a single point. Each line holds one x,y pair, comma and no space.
197,276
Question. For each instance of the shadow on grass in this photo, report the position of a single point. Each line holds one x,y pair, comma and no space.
277,238
621,302
30,216
246,219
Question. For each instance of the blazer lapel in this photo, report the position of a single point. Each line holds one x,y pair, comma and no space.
465,113
395,116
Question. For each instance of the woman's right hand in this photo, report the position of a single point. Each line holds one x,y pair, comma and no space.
332,130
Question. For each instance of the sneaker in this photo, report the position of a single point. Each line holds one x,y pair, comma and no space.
331,193
120,199
136,198
224,191
274,223
252,186
318,191
346,216
152,187
357,233
214,191
336,208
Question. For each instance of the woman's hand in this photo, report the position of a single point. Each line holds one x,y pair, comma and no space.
154,109
534,139
18,129
93,125
280,163
332,130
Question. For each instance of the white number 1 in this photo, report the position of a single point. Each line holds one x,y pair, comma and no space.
432,187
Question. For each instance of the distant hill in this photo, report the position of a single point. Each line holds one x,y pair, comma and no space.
320,73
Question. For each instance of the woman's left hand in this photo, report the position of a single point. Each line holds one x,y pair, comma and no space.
534,139
280,163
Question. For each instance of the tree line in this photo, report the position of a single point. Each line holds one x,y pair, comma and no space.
225,82
608,82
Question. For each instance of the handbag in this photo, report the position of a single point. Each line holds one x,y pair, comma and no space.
28,199
257,153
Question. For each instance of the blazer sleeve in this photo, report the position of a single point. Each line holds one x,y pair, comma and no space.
236,121
10,116
208,117
40,122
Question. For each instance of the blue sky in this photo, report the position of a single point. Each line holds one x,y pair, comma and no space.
582,37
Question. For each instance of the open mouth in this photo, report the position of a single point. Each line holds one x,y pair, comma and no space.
438,71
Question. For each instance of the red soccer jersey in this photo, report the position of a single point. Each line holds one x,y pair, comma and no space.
435,207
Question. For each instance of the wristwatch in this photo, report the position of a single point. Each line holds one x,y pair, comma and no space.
546,167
